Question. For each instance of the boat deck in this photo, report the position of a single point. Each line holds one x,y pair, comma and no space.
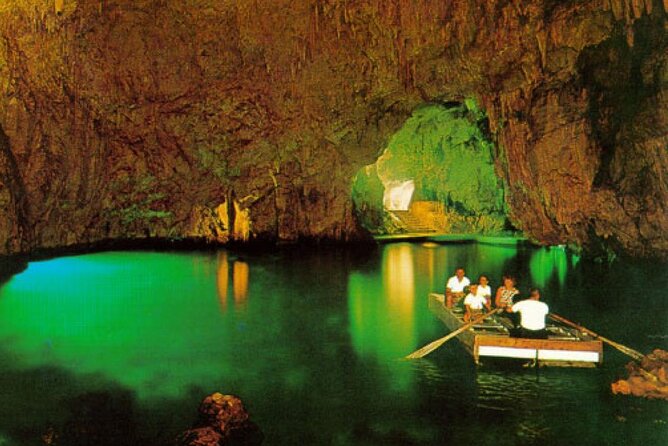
565,346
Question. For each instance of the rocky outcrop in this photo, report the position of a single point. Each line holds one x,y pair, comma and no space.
647,379
222,421
229,120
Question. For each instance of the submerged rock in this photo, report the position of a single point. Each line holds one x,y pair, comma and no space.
647,379
222,420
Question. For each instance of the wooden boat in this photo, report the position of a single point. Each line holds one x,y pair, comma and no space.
565,346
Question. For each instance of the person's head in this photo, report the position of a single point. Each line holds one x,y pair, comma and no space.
473,288
483,280
459,272
534,294
508,281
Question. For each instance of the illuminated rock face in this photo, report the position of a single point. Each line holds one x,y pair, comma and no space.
140,119
440,158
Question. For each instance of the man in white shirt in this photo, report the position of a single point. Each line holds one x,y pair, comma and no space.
532,316
474,303
454,289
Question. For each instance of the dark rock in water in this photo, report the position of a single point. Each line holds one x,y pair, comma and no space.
203,436
222,411
648,379
222,420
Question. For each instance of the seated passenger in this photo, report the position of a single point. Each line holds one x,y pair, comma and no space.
483,287
454,289
532,316
505,298
474,304
505,293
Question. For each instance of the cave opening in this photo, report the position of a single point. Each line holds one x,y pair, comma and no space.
435,175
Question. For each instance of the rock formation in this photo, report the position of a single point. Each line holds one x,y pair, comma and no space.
222,421
221,119
647,379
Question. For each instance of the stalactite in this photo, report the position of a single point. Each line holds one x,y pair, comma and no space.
317,18
59,6
541,39
630,37
648,6
616,6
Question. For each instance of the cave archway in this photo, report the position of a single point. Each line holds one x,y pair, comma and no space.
436,175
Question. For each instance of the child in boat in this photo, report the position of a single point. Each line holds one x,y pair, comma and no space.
474,303
484,289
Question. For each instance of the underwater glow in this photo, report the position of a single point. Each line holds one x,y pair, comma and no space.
317,336
382,315
240,273
547,263
222,278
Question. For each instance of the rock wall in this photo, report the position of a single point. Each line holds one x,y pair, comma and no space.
221,119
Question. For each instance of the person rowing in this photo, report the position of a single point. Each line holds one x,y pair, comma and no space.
532,316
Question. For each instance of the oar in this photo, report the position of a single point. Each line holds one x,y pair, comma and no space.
424,351
622,348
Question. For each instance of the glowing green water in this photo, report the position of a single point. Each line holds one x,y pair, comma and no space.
130,342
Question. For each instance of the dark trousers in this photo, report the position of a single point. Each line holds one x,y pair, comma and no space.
529,334
512,317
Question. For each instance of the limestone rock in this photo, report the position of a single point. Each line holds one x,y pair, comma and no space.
129,119
646,380
222,420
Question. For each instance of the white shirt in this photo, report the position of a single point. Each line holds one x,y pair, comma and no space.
484,291
456,286
474,301
533,313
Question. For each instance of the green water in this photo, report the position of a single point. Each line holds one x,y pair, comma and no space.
127,344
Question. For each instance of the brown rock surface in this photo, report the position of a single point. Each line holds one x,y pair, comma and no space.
222,420
221,119
647,379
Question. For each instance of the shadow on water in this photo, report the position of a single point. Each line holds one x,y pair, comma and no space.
10,265
49,405
504,403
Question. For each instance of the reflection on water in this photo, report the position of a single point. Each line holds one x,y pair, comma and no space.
240,281
382,313
222,278
315,350
399,280
550,262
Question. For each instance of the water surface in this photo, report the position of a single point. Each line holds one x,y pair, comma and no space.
127,343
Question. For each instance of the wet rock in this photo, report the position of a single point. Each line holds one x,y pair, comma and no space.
141,119
647,379
222,420
203,436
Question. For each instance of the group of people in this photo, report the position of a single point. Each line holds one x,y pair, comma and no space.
478,296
